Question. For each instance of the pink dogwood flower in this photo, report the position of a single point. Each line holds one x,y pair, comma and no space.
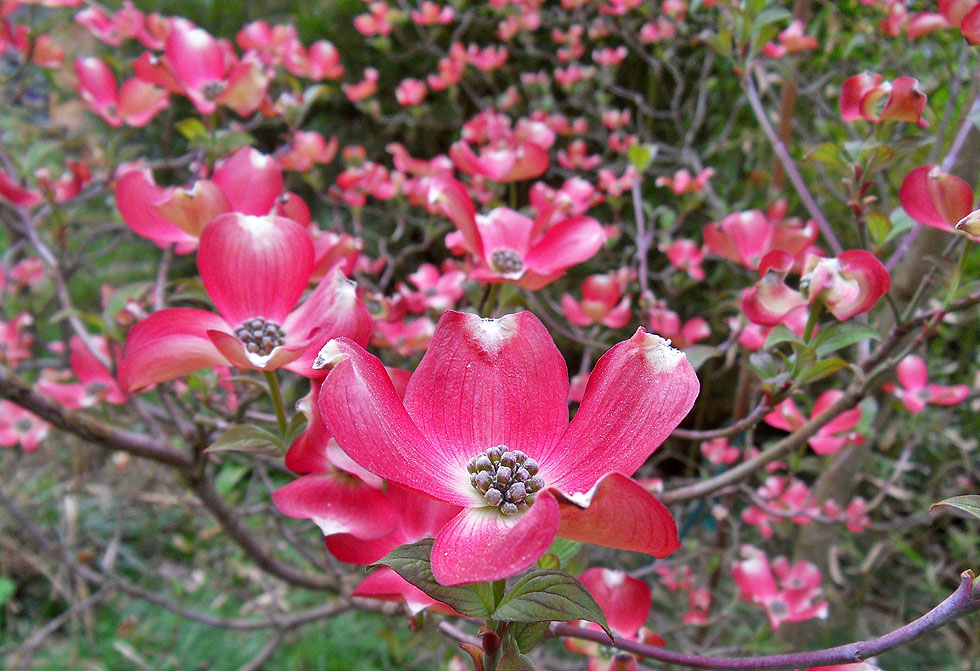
848,285
430,14
784,498
484,425
626,602
833,435
602,301
746,237
786,591
682,182
255,269
510,246
860,95
135,103
248,182
20,427
719,451
667,323
410,92
503,154
915,392
209,73
934,198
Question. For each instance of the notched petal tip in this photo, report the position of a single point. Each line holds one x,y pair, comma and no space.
492,334
658,351
329,356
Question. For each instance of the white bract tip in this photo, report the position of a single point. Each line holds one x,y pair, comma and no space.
659,354
491,334
328,356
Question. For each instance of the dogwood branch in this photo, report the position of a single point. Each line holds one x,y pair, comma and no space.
20,392
852,395
104,579
791,171
746,422
91,430
965,600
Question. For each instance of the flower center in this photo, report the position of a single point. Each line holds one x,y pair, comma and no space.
260,336
507,479
212,90
506,262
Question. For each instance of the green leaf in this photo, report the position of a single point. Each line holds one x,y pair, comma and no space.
527,635
8,587
766,18
414,564
780,334
640,155
549,595
697,355
839,336
227,141
228,477
721,42
297,425
247,438
968,504
512,659
821,369
828,154
562,551
901,223
879,226
192,128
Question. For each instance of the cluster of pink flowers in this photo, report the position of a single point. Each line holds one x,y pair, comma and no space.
788,592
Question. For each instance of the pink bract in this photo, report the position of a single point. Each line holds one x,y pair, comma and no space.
491,391
934,198
916,392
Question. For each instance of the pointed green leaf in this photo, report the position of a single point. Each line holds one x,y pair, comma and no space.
512,659
839,336
780,334
821,369
828,154
8,587
297,425
563,550
879,226
545,595
413,563
247,438
968,504
640,155
697,355
192,128
527,635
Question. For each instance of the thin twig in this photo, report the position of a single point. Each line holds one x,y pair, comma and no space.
791,171
966,599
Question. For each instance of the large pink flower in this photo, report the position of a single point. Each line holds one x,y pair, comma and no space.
255,269
484,425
